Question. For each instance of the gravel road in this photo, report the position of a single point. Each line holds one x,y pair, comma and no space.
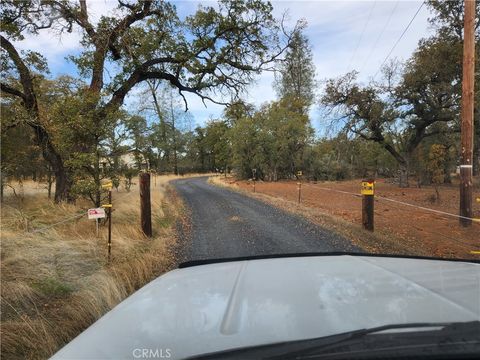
225,223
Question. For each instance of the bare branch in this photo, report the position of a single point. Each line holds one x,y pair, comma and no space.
12,91
25,77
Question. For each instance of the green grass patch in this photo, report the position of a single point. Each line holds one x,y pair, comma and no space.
52,287
164,221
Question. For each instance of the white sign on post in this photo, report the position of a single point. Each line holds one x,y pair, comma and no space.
97,213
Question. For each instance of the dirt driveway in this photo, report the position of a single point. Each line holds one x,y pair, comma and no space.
225,223
440,234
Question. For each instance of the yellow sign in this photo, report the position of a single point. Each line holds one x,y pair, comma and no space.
107,185
299,173
368,187
107,205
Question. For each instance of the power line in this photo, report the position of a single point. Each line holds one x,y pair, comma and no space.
380,35
400,38
361,35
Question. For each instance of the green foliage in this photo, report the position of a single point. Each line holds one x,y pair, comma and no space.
52,287
409,119
20,157
436,160
217,145
129,174
216,50
296,74
272,141
414,103
138,133
342,158
448,18
436,166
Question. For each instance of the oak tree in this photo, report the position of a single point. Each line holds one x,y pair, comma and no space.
212,53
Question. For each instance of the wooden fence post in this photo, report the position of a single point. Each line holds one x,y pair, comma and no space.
110,224
299,183
368,204
299,191
145,204
108,186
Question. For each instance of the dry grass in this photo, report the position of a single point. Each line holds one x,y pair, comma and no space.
56,282
378,242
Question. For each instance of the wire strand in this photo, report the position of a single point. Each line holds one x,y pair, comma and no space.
379,197
400,38
380,35
361,36
58,223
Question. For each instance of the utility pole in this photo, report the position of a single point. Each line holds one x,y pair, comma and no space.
466,165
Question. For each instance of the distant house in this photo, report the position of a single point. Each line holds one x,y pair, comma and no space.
128,160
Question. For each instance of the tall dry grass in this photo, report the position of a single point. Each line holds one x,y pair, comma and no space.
56,282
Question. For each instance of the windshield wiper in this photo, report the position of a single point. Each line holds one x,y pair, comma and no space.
444,333
456,338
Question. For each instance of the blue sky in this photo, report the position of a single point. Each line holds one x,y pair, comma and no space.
345,35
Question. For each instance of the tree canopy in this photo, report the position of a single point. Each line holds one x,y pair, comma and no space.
213,53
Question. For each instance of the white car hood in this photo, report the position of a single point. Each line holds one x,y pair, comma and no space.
221,306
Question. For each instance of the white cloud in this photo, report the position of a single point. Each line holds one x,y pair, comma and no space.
51,45
334,30
55,47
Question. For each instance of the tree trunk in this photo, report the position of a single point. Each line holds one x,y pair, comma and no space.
96,178
49,186
63,185
174,138
403,181
437,193
2,188
163,129
42,137
49,182
63,180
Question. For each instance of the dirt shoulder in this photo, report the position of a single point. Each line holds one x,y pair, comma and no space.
56,281
399,229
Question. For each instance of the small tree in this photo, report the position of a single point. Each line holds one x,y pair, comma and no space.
129,174
436,166
295,78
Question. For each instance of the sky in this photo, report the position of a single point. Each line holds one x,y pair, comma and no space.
344,35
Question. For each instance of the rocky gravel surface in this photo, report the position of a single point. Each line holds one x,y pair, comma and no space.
224,223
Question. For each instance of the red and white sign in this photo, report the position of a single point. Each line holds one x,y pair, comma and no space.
96,213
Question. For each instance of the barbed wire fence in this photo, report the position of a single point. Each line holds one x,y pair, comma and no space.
78,215
392,202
